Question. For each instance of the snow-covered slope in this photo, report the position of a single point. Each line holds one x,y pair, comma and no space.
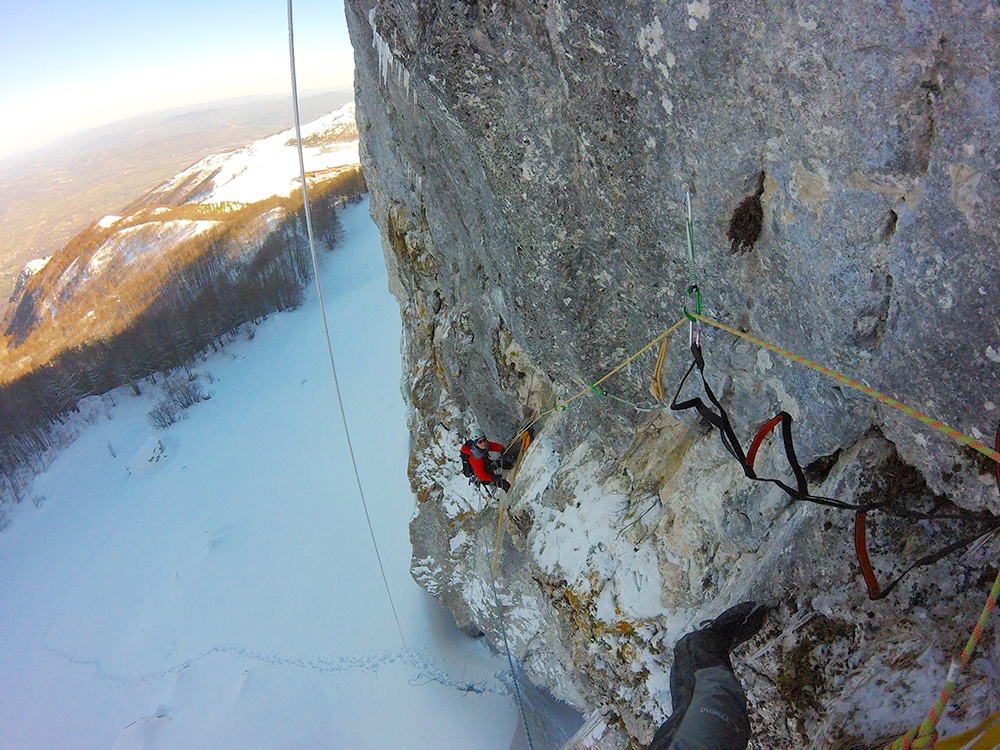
266,167
214,585
30,269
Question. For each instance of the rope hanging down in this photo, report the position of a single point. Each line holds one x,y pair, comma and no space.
500,618
326,325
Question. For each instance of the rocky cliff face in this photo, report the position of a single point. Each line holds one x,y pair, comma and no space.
529,164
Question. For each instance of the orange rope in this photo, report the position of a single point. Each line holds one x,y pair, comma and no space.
657,384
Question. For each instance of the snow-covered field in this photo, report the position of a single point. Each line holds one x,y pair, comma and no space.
228,595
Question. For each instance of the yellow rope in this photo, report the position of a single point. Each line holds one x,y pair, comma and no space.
525,443
881,397
851,383
590,388
496,544
920,416
630,360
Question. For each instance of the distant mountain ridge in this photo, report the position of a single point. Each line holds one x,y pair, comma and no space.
51,194
122,260
263,168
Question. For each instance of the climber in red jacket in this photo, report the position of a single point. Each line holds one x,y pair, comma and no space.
476,453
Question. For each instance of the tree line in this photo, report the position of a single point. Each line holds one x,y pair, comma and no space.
200,304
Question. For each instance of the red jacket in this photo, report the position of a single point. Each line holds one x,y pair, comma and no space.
477,458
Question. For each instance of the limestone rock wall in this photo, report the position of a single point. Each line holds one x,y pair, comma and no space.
528,163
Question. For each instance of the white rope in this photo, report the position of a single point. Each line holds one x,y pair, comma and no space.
326,326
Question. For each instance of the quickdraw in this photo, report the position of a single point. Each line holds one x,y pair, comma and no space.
656,383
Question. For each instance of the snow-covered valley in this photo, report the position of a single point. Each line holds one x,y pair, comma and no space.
228,595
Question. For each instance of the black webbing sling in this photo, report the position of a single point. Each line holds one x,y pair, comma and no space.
719,418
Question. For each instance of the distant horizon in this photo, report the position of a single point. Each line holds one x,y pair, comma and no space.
10,159
50,194
68,68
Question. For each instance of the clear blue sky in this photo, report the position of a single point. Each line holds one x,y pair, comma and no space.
67,65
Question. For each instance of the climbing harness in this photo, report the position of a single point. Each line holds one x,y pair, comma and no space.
485,495
470,473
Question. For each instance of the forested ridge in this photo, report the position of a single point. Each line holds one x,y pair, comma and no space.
133,321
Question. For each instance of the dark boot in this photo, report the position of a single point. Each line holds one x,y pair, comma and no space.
737,624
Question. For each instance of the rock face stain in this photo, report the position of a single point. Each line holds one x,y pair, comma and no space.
810,187
528,165
964,184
